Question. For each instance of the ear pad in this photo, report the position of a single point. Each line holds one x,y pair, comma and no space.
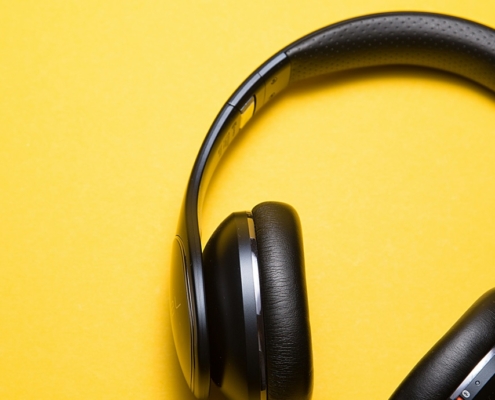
449,362
284,301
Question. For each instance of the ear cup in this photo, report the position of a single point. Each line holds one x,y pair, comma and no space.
449,362
284,301
235,364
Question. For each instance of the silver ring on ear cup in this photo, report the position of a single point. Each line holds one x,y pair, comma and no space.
259,307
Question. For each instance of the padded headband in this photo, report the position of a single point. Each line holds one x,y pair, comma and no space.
420,39
427,40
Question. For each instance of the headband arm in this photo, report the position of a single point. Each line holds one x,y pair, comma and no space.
256,91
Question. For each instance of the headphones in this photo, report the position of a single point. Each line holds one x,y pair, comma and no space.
239,308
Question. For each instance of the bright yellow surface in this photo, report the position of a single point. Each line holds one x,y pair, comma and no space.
103,106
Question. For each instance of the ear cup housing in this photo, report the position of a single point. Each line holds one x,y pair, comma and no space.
284,300
231,310
448,363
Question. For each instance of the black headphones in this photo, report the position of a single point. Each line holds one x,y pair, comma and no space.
239,308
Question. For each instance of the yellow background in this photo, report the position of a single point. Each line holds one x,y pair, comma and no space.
103,106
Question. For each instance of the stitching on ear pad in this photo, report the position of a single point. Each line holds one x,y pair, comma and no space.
284,301
453,357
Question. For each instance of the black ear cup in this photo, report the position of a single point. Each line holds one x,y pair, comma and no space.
449,362
284,300
241,366
236,364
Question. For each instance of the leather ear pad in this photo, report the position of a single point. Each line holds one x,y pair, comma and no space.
450,361
284,302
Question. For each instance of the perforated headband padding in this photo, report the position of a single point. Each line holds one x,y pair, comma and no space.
430,40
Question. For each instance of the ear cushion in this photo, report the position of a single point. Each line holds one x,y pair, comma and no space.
450,361
284,302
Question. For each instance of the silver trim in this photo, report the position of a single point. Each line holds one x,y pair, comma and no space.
259,308
485,360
